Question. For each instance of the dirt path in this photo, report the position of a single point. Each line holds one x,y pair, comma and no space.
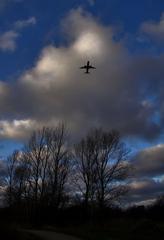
47,235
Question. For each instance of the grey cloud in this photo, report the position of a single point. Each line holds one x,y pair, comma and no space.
112,96
150,161
147,183
8,40
144,191
92,2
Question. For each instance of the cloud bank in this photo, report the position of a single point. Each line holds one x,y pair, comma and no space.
115,95
150,162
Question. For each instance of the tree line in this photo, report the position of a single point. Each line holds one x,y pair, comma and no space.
49,172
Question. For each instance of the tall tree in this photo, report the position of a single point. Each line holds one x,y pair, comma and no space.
12,162
58,165
47,157
85,169
102,166
36,154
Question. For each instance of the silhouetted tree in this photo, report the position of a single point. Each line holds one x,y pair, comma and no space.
39,178
16,179
12,162
36,155
85,168
37,175
58,165
102,167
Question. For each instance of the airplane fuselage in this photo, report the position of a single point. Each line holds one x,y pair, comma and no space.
88,67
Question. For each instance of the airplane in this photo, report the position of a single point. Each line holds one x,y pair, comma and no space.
87,67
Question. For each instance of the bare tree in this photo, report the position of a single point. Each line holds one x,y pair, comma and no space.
47,158
36,154
85,168
111,166
58,165
12,162
102,166
38,174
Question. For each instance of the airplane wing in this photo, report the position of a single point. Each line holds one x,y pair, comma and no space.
83,67
92,67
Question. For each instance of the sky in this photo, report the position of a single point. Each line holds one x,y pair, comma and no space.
43,44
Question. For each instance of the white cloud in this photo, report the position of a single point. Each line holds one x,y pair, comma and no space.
21,129
20,24
154,29
8,39
89,44
16,128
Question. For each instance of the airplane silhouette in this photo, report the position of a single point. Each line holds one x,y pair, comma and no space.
87,67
